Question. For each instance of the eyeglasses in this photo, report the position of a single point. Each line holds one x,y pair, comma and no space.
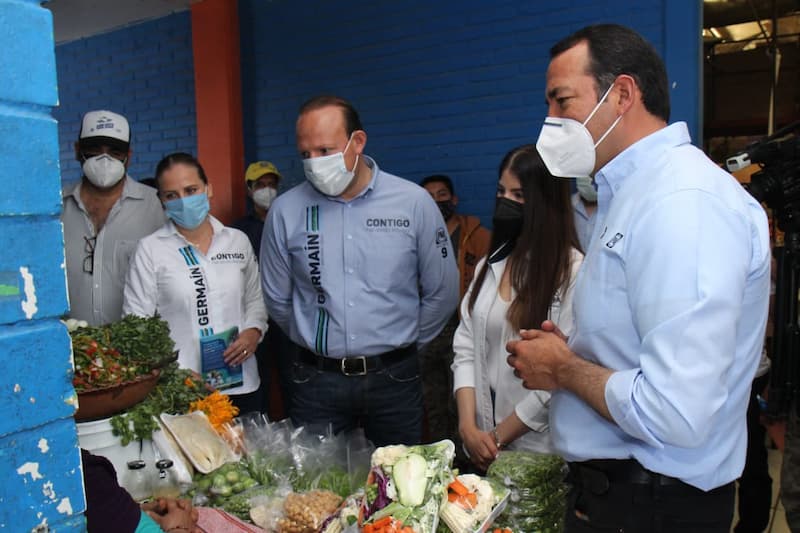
88,261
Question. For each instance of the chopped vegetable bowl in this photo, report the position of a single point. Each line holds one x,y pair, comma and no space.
407,488
107,356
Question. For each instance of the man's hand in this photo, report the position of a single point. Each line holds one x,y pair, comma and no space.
543,361
538,358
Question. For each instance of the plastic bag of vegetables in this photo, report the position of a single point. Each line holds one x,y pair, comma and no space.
406,487
473,503
538,491
306,512
217,486
268,450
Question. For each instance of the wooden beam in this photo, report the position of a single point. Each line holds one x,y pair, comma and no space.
218,101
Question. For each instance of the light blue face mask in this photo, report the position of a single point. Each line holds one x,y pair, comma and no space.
188,212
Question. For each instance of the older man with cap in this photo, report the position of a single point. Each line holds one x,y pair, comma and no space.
104,217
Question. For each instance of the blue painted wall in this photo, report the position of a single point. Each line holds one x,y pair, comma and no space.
442,87
146,73
39,457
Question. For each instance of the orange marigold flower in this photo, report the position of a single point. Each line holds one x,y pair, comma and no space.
217,407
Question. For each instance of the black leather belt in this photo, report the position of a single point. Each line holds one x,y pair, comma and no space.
598,474
357,366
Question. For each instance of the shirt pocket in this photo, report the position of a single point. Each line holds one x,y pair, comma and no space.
602,300
390,261
123,251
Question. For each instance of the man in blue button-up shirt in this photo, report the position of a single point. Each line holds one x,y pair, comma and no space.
358,269
651,390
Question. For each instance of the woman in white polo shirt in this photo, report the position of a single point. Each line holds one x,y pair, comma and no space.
202,278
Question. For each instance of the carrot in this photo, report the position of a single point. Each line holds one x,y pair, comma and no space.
497,530
407,529
453,497
472,499
368,528
382,522
458,487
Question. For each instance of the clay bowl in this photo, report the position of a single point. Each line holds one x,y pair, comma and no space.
102,403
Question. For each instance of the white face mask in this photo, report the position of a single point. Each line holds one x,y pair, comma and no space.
566,146
586,189
103,170
328,174
263,197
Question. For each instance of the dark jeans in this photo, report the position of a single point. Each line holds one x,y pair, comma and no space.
755,485
386,402
632,507
250,402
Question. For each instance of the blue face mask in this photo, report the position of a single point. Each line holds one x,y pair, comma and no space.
188,212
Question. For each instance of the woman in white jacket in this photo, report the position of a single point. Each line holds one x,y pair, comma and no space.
528,278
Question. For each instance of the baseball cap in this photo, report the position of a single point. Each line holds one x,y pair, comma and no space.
258,169
105,127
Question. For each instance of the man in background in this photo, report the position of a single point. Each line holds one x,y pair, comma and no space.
104,217
470,242
261,180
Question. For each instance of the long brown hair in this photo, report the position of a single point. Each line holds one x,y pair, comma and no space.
541,258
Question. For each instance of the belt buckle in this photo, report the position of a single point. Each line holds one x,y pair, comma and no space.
346,369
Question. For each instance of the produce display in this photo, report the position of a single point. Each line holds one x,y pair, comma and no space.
293,480
538,491
407,485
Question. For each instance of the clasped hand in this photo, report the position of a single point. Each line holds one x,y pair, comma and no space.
538,355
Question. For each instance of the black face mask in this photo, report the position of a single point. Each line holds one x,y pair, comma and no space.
447,207
507,220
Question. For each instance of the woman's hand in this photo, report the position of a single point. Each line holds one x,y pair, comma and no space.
480,446
243,347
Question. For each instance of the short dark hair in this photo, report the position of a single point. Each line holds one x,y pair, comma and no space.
439,178
175,159
616,50
352,122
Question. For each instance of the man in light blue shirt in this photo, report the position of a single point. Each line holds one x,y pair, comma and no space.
358,269
651,390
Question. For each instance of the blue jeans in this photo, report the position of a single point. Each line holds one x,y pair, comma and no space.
386,402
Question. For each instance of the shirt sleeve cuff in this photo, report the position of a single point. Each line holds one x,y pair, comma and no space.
261,326
619,395
533,410
463,376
